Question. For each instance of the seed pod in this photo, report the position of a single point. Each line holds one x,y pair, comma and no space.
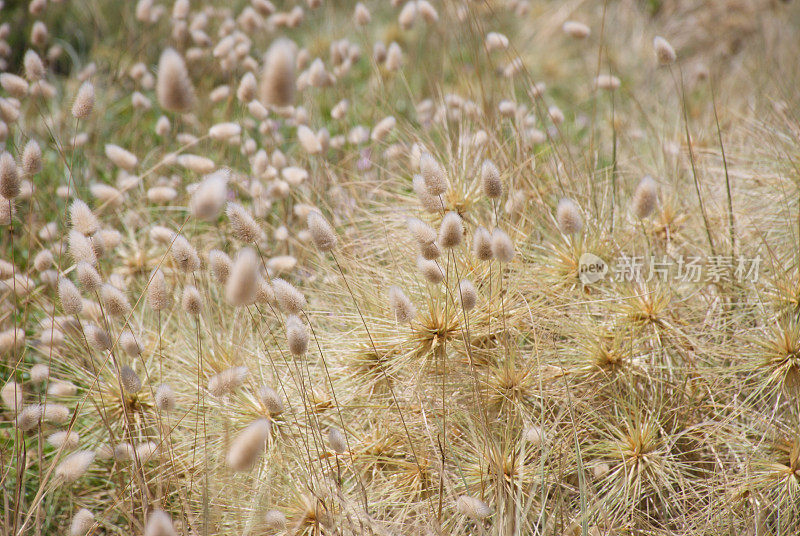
361,15
88,277
12,396
221,265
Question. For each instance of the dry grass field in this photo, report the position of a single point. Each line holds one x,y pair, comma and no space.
399,267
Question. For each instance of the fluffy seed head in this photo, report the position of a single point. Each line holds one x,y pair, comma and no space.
130,381
165,397
191,301
473,507
210,196
275,520
430,270
243,281
159,524
296,336
82,521
87,276
71,300
81,248
227,381
98,338
114,301
402,307
321,231
10,182
271,399
248,446
157,294
174,87
34,67
32,158
223,131
61,388
482,244
39,373
243,225
569,217
278,74
75,465
645,198
361,15
121,157
290,300
451,230
16,86
576,29
421,231
502,246
29,418
220,264
184,254
12,396
82,218
64,439
665,54
309,140
337,440
129,344
490,180
496,41
468,294
84,101
432,174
